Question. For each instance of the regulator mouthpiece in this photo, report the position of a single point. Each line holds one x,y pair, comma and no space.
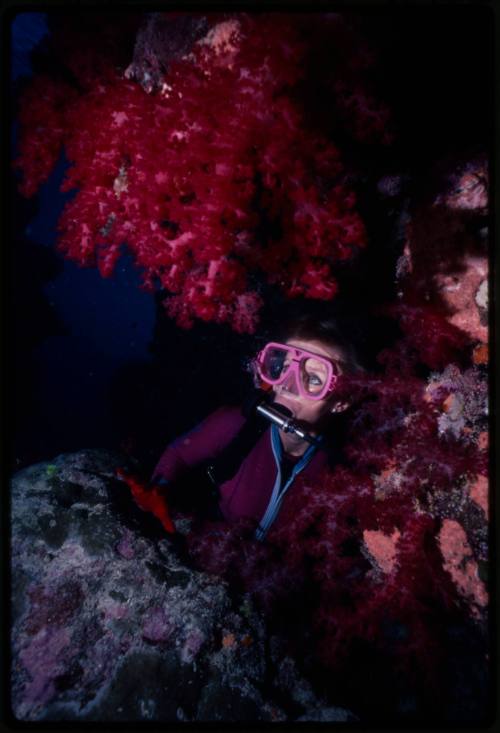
282,417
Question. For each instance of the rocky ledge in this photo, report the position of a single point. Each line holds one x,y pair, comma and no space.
110,623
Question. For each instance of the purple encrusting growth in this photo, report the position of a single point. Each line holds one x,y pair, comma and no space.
466,395
125,547
157,626
192,645
45,658
69,597
108,624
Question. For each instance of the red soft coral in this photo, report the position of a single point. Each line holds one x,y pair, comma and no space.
42,122
185,177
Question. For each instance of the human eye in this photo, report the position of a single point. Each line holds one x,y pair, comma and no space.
314,380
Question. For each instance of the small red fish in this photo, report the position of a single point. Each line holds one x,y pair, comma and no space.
148,498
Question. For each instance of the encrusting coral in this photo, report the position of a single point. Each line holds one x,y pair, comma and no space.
110,625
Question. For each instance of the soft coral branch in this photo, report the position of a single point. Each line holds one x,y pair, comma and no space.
184,176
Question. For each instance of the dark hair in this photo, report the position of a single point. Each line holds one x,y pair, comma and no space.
342,330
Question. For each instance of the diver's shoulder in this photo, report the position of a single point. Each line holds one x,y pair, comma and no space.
230,414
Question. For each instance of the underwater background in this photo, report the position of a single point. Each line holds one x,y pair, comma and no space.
91,347
252,164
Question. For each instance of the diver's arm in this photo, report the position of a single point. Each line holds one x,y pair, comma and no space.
205,441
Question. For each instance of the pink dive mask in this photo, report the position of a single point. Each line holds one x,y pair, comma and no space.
315,375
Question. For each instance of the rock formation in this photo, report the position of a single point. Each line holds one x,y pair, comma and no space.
109,624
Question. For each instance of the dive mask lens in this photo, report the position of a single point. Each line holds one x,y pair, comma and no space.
315,376
274,363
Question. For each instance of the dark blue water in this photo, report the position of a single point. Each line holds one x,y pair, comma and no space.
101,323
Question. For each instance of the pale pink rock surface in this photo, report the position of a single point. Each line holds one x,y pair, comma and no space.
382,547
468,187
479,493
459,562
465,294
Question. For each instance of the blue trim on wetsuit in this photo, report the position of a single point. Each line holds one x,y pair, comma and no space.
278,491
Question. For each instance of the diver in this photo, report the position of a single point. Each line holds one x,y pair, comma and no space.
253,455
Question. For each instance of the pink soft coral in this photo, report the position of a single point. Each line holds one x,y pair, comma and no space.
185,177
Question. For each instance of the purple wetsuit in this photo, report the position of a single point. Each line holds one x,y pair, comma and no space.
258,487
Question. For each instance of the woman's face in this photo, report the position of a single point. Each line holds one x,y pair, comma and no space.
310,412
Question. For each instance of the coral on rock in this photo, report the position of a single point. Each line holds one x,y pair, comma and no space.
385,559
109,624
